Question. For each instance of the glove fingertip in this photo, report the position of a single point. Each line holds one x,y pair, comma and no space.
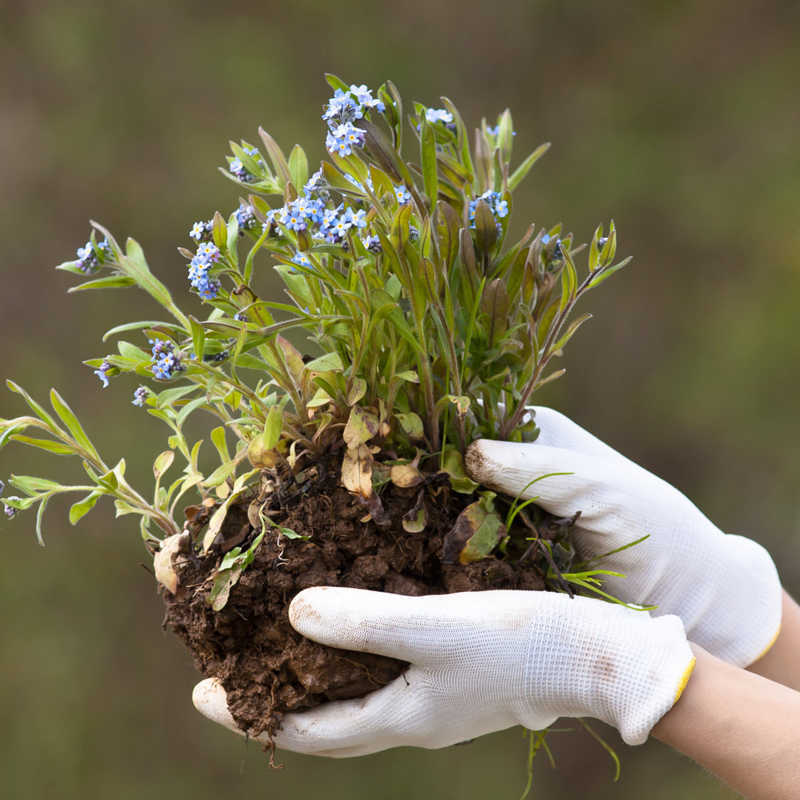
209,698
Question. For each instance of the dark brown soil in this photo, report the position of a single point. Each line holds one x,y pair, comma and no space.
266,667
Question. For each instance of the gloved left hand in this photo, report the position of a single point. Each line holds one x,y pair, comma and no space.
480,662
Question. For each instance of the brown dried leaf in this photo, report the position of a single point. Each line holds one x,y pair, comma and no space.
357,470
162,562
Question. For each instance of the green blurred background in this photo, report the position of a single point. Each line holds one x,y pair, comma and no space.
680,120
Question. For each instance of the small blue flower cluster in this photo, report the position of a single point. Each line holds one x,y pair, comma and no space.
207,287
557,254
372,243
90,258
497,206
201,231
341,111
140,395
238,169
101,373
165,362
245,217
433,115
309,212
496,131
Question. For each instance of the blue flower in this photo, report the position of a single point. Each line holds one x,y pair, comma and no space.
238,170
372,243
342,108
302,259
402,194
140,395
240,316
356,219
165,361
365,98
245,217
438,115
10,512
90,258
313,183
497,205
252,152
343,138
209,253
493,131
101,373
545,238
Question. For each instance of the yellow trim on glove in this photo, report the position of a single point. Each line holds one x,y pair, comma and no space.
684,680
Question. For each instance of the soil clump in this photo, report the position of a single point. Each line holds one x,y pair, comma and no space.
266,667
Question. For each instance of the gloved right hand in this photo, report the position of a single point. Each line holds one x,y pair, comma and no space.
725,588
480,662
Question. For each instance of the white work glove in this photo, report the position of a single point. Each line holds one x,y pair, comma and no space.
725,588
480,662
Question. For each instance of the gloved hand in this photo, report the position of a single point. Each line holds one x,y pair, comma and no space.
725,588
480,662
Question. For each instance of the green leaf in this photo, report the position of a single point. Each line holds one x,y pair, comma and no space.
525,167
411,424
276,157
44,444
191,406
83,507
37,409
360,428
298,167
330,362
453,465
428,153
273,426
71,421
162,463
134,353
133,263
169,396
607,273
110,282
39,517
170,327
219,441
198,337
477,531
358,388
31,484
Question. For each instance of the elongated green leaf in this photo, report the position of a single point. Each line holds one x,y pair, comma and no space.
525,167
219,441
137,326
45,444
80,509
30,484
191,406
607,273
198,337
298,167
110,282
37,409
39,517
428,154
71,421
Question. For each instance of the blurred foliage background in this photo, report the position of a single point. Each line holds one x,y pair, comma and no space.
680,120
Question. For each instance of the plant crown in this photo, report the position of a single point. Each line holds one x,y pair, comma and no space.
426,329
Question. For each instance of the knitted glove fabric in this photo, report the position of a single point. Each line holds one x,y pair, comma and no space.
725,588
481,662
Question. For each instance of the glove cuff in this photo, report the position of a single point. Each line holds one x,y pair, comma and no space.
740,619
658,674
